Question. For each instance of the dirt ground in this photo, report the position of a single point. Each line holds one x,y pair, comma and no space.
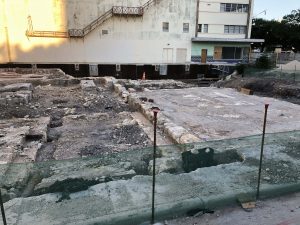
84,124
101,122
266,87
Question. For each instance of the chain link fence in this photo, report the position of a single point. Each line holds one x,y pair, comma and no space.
116,188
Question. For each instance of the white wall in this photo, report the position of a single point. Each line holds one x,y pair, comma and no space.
209,13
130,40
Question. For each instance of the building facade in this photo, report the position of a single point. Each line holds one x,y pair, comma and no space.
223,32
99,34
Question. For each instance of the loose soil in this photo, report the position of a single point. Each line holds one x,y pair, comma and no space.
266,87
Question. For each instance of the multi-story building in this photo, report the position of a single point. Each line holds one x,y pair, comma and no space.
104,37
223,32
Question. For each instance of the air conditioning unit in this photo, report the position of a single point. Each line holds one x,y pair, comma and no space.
118,67
187,67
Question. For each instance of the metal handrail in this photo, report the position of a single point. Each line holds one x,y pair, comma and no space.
138,11
51,34
123,10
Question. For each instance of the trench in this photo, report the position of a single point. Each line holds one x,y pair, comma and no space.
207,157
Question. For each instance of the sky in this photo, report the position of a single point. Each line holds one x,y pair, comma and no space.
276,9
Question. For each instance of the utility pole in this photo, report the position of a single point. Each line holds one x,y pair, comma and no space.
249,19
197,18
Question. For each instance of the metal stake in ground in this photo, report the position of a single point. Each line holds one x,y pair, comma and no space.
155,111
262,150
2,209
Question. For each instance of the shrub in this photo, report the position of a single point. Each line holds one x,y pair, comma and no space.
264,62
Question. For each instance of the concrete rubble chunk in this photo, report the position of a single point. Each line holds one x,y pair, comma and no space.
166,165
40,127
188,138
108,81
17,87
174,131
88,85
85,174
16,98
119,89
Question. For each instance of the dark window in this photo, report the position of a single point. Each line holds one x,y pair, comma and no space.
165,27
200,28
104,32
230,7
203,28
186,27
233,7
234,29
231,53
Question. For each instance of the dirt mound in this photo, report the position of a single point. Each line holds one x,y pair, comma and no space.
276,88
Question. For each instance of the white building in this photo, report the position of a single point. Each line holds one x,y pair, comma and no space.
123,32
224,30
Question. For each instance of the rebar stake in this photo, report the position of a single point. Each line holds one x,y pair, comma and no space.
2,209
155,111
262,150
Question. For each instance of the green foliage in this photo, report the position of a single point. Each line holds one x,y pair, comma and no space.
264,62
285,33
240,68
293,18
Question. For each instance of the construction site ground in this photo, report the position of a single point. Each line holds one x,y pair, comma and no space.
286,90
79,151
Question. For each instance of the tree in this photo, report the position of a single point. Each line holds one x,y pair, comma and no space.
293,18
285,33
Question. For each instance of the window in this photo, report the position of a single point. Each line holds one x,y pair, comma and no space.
242,30
233,7
203,28
240,8
104,32
245,8
165,27
186,27
229,7
200,28
223,5
234,29
231,53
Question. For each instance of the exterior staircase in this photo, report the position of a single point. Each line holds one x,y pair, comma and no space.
81,33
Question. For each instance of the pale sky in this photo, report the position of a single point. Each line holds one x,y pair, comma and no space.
276,9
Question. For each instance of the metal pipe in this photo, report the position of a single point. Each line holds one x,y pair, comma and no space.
249,19
197,18
262,150
155,112
2,209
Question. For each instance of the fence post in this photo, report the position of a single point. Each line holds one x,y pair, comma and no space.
262,150
2,209
155,111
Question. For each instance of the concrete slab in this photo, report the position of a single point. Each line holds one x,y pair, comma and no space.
214,113
17,87
129,201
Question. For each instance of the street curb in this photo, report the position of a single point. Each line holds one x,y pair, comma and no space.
180,208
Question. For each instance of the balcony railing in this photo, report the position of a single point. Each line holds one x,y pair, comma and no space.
130,11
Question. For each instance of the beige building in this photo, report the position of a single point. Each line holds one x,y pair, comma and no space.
119,32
